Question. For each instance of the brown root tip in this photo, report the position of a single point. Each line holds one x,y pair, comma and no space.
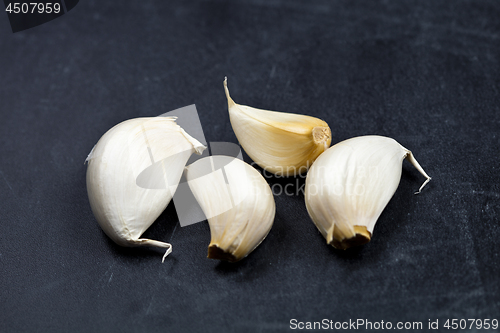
321,134
362,236
215,252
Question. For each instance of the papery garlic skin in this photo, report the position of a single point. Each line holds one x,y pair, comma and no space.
281,143
125,204
237,202
349,185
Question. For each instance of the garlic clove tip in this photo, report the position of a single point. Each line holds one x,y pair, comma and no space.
230,101
169,250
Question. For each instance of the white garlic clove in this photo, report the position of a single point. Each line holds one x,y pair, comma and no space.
281,143
133,172
349,185
237,202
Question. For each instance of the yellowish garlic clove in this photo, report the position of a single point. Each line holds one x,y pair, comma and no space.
282,143
132,174
237,202
349,185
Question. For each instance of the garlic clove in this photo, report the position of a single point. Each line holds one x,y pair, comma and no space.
237,202
349,185
281,143
127,195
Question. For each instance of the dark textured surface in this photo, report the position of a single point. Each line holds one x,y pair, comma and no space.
426,73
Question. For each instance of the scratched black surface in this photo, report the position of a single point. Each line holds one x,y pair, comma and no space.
423,72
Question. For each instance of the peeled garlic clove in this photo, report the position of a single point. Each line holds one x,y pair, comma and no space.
237,202
281,143
133,172
349,185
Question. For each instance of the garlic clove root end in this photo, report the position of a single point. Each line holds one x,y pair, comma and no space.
361,237
215,252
